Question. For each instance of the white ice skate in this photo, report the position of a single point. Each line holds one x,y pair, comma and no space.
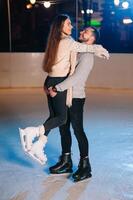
28,134
37,152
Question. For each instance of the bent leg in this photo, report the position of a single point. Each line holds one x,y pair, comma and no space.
60,111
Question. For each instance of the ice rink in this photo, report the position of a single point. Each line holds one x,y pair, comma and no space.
108,123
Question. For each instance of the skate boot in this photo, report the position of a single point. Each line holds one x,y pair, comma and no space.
28,134
84,170
64,165
36,152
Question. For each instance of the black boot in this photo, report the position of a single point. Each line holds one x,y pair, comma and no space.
84,170
64,165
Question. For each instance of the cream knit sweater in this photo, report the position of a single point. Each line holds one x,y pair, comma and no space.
64,58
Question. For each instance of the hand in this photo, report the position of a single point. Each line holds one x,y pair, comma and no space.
46,90
101,52
51,92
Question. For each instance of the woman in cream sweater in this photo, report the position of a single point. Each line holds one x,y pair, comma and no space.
58,64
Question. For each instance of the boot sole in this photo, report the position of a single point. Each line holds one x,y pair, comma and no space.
65,172
83,179
31,155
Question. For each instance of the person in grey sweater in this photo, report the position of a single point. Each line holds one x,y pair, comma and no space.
77,81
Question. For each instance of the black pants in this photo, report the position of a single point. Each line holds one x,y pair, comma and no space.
75,117
57,105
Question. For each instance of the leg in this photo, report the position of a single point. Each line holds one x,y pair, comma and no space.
65,133
58,108
60,115
27,135
51,112
57,105
76,116
64,165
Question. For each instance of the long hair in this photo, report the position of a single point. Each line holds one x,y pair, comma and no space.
53,42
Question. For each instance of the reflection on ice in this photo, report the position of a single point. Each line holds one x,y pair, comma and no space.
108,125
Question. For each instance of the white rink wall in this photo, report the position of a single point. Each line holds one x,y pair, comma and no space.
25,70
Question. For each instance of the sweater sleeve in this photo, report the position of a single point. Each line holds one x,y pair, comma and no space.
80,47
79,76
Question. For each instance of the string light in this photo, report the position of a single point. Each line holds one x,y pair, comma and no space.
28,6
47,4
125,4
127,21
82,11
117,2
89,11
32,1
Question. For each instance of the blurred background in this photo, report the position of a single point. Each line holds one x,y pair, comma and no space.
25,23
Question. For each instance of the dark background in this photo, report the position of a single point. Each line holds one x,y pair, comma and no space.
30,27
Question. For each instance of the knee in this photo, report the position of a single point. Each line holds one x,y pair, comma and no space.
78,130
64,129
63,119
80,134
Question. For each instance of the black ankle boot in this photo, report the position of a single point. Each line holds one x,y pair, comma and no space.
64,165
84,170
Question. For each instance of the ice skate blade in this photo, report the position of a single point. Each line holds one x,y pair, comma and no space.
31,155
22,136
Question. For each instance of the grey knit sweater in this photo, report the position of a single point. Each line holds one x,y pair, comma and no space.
78,80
